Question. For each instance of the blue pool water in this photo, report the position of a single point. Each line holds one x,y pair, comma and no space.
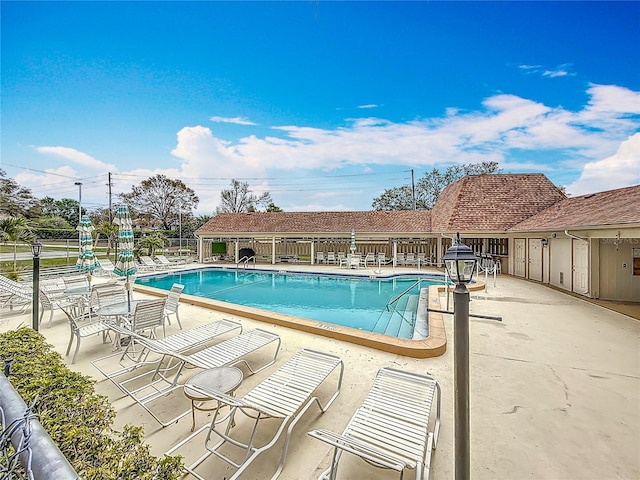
356,302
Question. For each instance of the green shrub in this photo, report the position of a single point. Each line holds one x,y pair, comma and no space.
77,419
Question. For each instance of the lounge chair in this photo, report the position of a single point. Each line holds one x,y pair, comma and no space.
166,263
369,258
392,427
331,257
342,260
320,258
14,294
353,260
149,351
146,263
165,378
284,397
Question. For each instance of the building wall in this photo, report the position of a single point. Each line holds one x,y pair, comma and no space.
617,280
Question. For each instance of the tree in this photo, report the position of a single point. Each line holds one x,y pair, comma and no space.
162,198
151,243
15,200
272,207
429,187
239,199
15,230
66,208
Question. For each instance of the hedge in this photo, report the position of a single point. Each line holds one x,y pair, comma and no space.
78,420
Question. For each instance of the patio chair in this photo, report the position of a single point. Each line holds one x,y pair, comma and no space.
342,260
173,302
185,341
148,316
84,324
369,258
76,281
50,300
14,294
320,258
153,385
104,294
331,257
284,396
105,269
353,260
382,259
392,427
411,259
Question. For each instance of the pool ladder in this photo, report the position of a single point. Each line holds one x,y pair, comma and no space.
245,261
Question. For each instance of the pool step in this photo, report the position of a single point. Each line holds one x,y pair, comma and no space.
401,321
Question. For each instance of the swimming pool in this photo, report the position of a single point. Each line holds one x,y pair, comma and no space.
351,301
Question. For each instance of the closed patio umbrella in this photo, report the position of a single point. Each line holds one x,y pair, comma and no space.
352,247
87,261
125,264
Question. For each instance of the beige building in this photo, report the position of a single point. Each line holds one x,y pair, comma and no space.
589,245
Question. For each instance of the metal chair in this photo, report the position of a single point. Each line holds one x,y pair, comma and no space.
172,304
84,325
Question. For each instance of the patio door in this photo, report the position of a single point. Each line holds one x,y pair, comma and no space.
519,258
535,259
580,268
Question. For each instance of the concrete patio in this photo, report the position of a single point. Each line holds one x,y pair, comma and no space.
555,390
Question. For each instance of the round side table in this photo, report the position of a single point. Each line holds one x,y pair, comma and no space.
222,379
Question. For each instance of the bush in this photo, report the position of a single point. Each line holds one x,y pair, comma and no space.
77,419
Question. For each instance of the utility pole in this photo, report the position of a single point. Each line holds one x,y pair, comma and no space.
413,190
110,208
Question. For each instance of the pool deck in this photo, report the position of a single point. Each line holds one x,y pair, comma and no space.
555,389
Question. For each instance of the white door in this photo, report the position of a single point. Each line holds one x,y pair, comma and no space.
580,267
519,258
535,259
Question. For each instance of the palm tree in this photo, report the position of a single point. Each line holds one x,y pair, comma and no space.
110,231
15,229
151,243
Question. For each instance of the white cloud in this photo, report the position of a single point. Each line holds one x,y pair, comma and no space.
369,105
234,120
619,170
558,71
77,157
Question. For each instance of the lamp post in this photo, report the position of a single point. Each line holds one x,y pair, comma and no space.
180,229
36,249
460,263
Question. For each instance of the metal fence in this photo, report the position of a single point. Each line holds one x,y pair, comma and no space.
26,450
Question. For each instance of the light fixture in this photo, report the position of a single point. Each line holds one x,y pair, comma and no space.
36,248
460,262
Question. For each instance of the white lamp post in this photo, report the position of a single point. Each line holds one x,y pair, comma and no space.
460,263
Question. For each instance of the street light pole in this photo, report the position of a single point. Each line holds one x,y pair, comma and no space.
460,264
79,184
180,229
36,249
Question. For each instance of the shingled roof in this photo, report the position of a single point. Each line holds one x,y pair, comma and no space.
492,203
318,223
613,207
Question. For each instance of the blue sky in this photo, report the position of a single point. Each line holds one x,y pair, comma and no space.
323,104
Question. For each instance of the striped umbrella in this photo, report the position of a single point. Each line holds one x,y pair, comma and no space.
352,247
125,264
87,261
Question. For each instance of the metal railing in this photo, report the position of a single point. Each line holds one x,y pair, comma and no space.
26,449
245,261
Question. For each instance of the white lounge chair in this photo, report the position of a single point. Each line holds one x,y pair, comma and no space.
146,263
166,263
165,378
84,325
331,257
283,397
320,258
393,428
150,351
14,294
